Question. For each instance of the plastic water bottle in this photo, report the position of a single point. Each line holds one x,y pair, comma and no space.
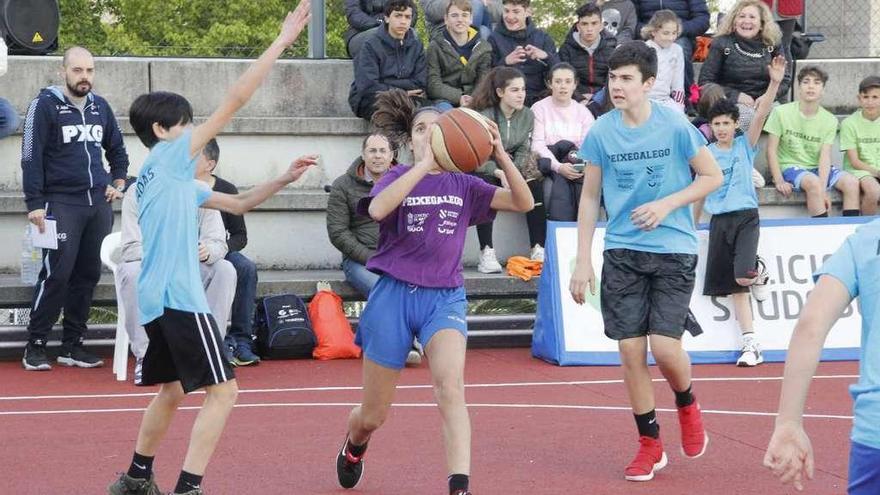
31,259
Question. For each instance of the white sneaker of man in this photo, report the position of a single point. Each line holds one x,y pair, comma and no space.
751,352
537,253
761,287
488,262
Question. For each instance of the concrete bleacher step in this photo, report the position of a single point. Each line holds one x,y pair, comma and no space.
511,330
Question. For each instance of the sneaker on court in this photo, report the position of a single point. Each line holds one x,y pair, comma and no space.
139,371
229,350
648,460
751,354
78,356
537,253
35,358
693,436
414,358
761,287
349,469
194,491
461,492
488,262
243,355
126,485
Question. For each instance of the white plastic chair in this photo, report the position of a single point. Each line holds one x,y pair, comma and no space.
110,255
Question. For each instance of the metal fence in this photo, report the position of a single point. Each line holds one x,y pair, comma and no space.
851,28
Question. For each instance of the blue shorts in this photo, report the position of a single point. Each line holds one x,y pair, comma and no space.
864,470
398,311
794,175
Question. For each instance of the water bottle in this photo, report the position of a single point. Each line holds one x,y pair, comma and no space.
31,259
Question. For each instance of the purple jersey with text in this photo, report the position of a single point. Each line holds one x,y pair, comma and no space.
421,242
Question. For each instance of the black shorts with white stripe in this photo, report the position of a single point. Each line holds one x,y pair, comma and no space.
187,347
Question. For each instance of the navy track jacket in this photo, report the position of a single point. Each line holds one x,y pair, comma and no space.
61,150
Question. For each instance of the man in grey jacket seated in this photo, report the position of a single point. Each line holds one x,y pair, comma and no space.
218,275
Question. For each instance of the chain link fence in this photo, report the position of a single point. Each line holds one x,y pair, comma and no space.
851,28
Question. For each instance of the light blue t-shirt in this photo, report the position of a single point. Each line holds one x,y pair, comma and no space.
168,200
737,192
857,265
640,165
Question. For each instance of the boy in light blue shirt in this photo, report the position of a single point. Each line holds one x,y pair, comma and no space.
184,353
853,271
733,265
642,154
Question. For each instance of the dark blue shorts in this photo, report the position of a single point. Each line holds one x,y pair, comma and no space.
864,470
398,311
794,175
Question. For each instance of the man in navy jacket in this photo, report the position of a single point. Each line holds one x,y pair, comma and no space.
694,15
65,180
393,58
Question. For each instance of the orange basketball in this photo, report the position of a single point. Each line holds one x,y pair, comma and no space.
461,140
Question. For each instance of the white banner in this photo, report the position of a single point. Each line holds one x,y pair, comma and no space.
793,250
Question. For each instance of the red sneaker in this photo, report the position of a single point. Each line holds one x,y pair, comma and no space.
693,436
649,459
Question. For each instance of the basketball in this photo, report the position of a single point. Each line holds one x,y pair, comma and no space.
461,140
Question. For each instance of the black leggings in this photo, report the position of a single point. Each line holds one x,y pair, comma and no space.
536,219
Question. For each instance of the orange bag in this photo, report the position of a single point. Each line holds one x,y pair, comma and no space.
701,51
335,338
524,268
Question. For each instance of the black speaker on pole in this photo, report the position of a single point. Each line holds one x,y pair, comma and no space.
30,27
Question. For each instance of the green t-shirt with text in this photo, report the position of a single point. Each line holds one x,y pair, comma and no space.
800,138
863,135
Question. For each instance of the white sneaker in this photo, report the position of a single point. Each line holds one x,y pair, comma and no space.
751,353
414,358
761,288
537,253
758,179
488,262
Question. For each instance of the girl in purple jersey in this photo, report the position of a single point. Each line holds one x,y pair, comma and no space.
423,214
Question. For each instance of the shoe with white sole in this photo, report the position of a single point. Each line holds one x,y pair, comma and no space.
488,262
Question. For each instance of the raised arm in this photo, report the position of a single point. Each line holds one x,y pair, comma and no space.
517,197
240,92
765,102
241,203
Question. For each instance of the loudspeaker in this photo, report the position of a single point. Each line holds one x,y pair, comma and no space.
30,27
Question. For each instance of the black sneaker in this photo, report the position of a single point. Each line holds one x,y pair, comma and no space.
194,491
139,371
79,356
349,469
126,485
35,358
461,492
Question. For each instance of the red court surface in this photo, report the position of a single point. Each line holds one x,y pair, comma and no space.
538,429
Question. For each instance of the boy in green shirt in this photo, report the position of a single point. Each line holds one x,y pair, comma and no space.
860,143
799,148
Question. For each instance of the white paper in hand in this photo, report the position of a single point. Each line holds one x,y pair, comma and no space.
49,238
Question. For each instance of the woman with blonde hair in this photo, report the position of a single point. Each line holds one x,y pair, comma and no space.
747,40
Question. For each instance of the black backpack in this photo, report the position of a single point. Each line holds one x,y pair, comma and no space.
283,328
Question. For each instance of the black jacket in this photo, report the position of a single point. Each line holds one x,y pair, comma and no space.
729,64
504,41
366,14
384,63
694,14
591,70
236,230
61,150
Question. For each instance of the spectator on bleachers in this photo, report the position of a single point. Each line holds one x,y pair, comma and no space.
457,59
694,15
561,125
787,20
799,148
393,58
64,177
660,34
240,338
364,17
218,275
356,236
619,18
500,97
518,43
741,51
8,115
484,15
860,143
587,48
